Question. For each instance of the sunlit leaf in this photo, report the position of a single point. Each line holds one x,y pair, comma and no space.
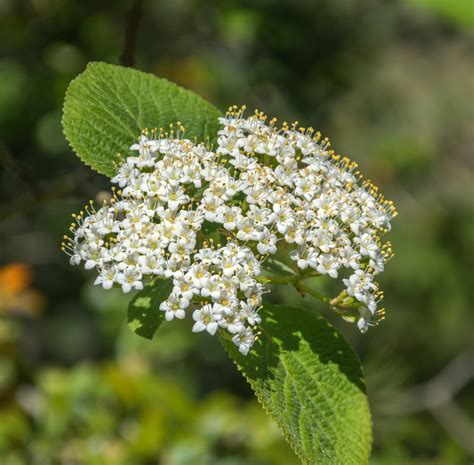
310,381
144,314
107,106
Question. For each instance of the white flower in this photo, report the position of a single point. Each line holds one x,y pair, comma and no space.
327,264
267,244
230,265
197,275
232,322
174,196
205,320
350,258
304,257
174,307
230,145
151,263
126,173
130,278
244,340
212,287
184,286
248,230
230,217
367,246
106,277
284,218
249,313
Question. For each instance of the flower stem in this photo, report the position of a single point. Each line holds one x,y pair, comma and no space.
294,280
312,292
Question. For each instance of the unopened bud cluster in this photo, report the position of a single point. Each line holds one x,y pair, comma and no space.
263,190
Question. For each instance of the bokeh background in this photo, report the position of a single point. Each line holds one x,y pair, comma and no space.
390,82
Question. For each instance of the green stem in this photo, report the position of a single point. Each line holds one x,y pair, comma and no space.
314,293
294,280
283,280
348,311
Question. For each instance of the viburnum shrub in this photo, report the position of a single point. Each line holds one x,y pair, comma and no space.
206,213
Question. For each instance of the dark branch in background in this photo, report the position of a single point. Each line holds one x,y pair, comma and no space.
127,58
437,396
11,165
69,184
65,186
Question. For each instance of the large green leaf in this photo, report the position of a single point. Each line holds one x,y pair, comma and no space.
107,106
310,381
144,314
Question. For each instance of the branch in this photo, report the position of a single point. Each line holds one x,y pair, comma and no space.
457,424
64,186
11,165
127,58
437,397
441,389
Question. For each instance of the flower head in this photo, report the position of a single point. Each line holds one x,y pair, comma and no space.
210,219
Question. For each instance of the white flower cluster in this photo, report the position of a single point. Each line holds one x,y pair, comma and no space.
209,219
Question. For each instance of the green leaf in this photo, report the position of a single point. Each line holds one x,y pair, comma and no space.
310,381
107,106
144,314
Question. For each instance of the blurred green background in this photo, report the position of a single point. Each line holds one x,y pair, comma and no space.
390,82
